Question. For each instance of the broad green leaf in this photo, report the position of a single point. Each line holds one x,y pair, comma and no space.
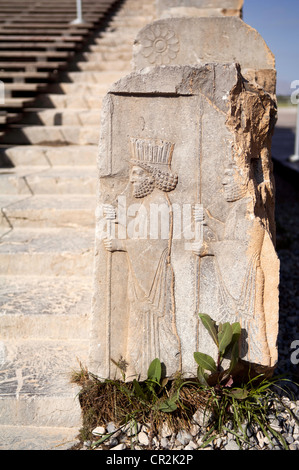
238,393
210,326
202,376
168,405
236,327
234,356
225,335
205,361
155,371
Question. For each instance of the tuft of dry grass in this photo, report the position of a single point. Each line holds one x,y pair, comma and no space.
114,400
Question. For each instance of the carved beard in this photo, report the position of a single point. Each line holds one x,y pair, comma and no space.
144,188
234,192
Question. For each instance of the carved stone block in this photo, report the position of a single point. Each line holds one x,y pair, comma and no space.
197,41
185,213
176,8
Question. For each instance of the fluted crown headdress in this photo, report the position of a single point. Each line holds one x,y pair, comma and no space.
152,152
155,157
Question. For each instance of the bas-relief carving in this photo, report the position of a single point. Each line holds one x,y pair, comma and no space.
236,244
160,45
150,295
230,257
199,40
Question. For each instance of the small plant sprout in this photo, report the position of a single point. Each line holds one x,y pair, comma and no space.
226,337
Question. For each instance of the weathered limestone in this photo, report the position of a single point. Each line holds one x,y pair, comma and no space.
189,140
185,41
176,8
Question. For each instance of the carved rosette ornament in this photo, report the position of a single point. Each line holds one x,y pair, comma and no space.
160,45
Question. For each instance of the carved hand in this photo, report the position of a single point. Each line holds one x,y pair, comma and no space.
109,212
198,213
108,244
112,244
200,249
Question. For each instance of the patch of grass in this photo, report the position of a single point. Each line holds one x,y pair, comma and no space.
153,402
231,405
248,407
232,410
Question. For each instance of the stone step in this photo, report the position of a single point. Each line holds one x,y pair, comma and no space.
51,251
63,117
105,78
8,117
42,55
108,55
37,155
37,438
94,65
50,180
74,100
16,103
35,382
33,66
124,18
111,49
14,180
34,37
23,88
43,211
22,76
52,135
83,89
45,308
109,39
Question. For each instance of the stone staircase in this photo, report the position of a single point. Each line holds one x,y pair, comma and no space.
37,39
48,196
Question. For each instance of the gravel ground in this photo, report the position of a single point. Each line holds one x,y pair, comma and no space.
133,437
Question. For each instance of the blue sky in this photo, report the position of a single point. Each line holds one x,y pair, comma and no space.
278,23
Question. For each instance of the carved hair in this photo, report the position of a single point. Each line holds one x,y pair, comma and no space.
163,180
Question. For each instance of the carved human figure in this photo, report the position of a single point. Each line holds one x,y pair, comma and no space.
236,245
152,325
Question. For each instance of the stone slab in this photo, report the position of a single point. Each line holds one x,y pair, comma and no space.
14,180
50,180
63,180
198,7
26,299
39,368
45,156
64,117
119,65
104,78
154,311
49,252
71,100
56,211
53,135
32,438
190,41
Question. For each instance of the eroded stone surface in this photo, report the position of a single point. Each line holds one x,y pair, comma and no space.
195,145
197,41
175,8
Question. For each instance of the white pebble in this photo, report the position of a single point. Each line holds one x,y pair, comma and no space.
119,447
99,430
143,438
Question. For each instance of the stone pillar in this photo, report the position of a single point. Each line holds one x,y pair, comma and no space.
196,8
185,215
